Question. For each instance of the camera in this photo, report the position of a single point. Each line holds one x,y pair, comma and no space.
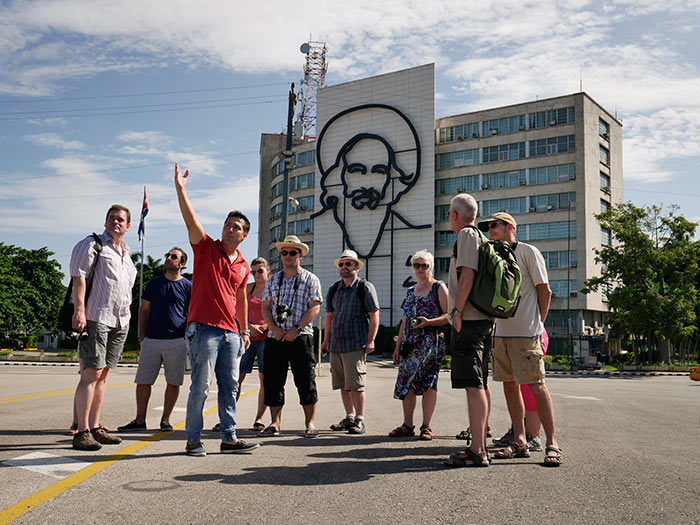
282,312
74,337
413,323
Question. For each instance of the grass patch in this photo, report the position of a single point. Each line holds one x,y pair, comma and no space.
66,354
130,355
5,352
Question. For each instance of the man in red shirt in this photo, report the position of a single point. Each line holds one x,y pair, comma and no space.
214,344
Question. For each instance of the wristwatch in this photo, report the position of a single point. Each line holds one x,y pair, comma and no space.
246,332
298,328
454,312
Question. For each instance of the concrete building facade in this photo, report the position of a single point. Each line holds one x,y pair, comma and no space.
552,163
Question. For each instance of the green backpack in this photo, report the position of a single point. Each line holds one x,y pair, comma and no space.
496,288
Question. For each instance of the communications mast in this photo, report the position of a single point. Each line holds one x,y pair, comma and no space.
315,68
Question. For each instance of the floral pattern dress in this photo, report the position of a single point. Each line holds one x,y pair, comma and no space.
419,370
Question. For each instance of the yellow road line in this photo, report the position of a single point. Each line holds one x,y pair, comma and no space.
22,507
26,397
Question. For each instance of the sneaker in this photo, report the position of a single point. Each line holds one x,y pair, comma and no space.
195,449
238,447
534,443
165,425
344,424
358,427
103,437
85,441
506,440
132,426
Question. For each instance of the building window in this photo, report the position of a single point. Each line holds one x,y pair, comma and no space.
552,117
605,182
301,181
552,146
552,201
276,211
305,204
442,265
457,185
547,230
605,156
278,189
514,205
277,233
504,152
550,174
604,129
304,159
505,179
458,133
456,159
311,249
563,288
300,227
560,259
605,237
556,319
278,168
604,206
502,126
442,212
446,238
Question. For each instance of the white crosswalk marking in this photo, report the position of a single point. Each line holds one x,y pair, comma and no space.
585,398
48,464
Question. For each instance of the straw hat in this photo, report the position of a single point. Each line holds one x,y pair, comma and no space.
292,241
349,254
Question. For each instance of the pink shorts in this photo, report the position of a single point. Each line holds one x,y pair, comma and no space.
528,397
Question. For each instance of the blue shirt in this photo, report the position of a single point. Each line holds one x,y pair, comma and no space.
170,301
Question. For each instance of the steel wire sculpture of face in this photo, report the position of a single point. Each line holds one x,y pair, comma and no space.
366,171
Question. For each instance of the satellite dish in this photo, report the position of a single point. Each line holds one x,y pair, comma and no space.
305,48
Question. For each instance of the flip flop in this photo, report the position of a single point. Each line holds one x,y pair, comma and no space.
258,427
269,432
310,432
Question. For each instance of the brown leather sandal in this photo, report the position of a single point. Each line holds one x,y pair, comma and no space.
403,431
466,459
514,450
426,433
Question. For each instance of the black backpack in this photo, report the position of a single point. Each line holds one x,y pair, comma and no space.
361,287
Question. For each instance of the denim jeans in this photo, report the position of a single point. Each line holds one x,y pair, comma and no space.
212,351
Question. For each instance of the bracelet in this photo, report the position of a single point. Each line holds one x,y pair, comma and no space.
246,332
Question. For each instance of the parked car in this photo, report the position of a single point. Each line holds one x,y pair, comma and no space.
12,344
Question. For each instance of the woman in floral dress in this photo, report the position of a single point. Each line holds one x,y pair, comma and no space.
423,346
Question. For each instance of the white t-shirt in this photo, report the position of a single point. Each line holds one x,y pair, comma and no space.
527,320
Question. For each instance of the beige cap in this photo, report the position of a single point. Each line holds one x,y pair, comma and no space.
500,216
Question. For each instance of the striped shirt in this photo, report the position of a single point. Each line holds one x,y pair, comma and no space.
309,290
115,274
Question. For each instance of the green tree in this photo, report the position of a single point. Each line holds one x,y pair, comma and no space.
649,273
31,292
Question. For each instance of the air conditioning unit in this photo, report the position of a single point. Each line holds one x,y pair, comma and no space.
552,122
307,230
573,264
484,186
475,135
606,136
550,207
301,208
532,209
522,128
523,183
573,294
460,138
494,131
572,176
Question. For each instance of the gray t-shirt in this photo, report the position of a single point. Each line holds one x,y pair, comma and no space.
350,325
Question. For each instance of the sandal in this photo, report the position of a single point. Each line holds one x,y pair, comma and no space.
514,450
426,433
403,431
310,432
552,460
465,435
216,428
258,426
73,430
269,432
466,459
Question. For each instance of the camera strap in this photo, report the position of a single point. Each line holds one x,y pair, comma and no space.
297,282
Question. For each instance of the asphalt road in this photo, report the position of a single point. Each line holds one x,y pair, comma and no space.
630,456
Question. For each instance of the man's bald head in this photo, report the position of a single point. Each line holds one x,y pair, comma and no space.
466,207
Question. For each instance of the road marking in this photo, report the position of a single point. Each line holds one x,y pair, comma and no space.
43,395
22,507
586,398
48,464
175,409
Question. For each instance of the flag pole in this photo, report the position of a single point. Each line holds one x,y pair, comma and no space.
143,255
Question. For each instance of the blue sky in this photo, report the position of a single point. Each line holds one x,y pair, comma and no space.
98,99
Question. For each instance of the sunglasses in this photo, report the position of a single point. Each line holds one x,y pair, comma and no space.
259,270
291,253
349,264
172,256
494,224
425,266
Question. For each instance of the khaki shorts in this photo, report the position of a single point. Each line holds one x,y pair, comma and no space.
171,353
103,346
349,370
519,360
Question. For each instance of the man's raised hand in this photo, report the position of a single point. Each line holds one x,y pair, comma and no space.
180,179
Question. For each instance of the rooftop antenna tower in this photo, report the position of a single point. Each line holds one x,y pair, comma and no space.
315,68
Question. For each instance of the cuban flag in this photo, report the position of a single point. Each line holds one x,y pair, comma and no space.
144,212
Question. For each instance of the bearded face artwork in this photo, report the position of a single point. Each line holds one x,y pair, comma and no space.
365,179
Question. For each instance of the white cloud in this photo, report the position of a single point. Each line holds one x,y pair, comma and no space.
52,140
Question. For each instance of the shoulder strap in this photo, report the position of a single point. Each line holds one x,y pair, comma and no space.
98,249
331,292
361,288
434,291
